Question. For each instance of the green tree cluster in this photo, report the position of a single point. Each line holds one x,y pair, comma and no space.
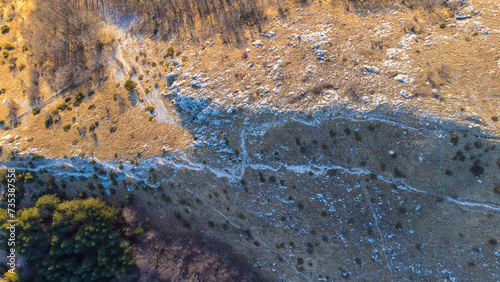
74,240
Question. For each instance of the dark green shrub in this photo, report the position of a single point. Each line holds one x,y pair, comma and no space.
170,52
398,173
48,122
67,127
477,170
62,106
16,123
8,47
357,135
130,85
25,48
112,129
36,110
78,99
150,109
5,29
454,139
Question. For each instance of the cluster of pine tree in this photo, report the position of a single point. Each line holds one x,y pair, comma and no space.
75,240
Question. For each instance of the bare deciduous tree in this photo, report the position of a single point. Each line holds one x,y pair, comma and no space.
12,108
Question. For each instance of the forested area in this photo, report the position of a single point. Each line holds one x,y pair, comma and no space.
71,241
68,38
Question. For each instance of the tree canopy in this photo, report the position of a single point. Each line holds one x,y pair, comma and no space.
74,240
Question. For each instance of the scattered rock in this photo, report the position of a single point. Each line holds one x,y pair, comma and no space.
196,84
401,78
269,34
321,54
9,139
171,77
372,69
257,43
462,17
405,94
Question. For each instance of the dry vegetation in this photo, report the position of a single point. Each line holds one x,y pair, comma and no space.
68,39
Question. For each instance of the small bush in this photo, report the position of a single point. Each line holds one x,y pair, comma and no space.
5,54
48,122
398,173
130,85
494,118
67,127
454,139
21,66
146,91
62,107
36,110
138,231
443,25
78,99
112,129
156,85
5,29
170,52
17,123
150,109
477,170
6,127
357,135
24,48
55,112
8,47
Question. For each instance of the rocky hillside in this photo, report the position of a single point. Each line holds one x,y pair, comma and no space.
338,141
